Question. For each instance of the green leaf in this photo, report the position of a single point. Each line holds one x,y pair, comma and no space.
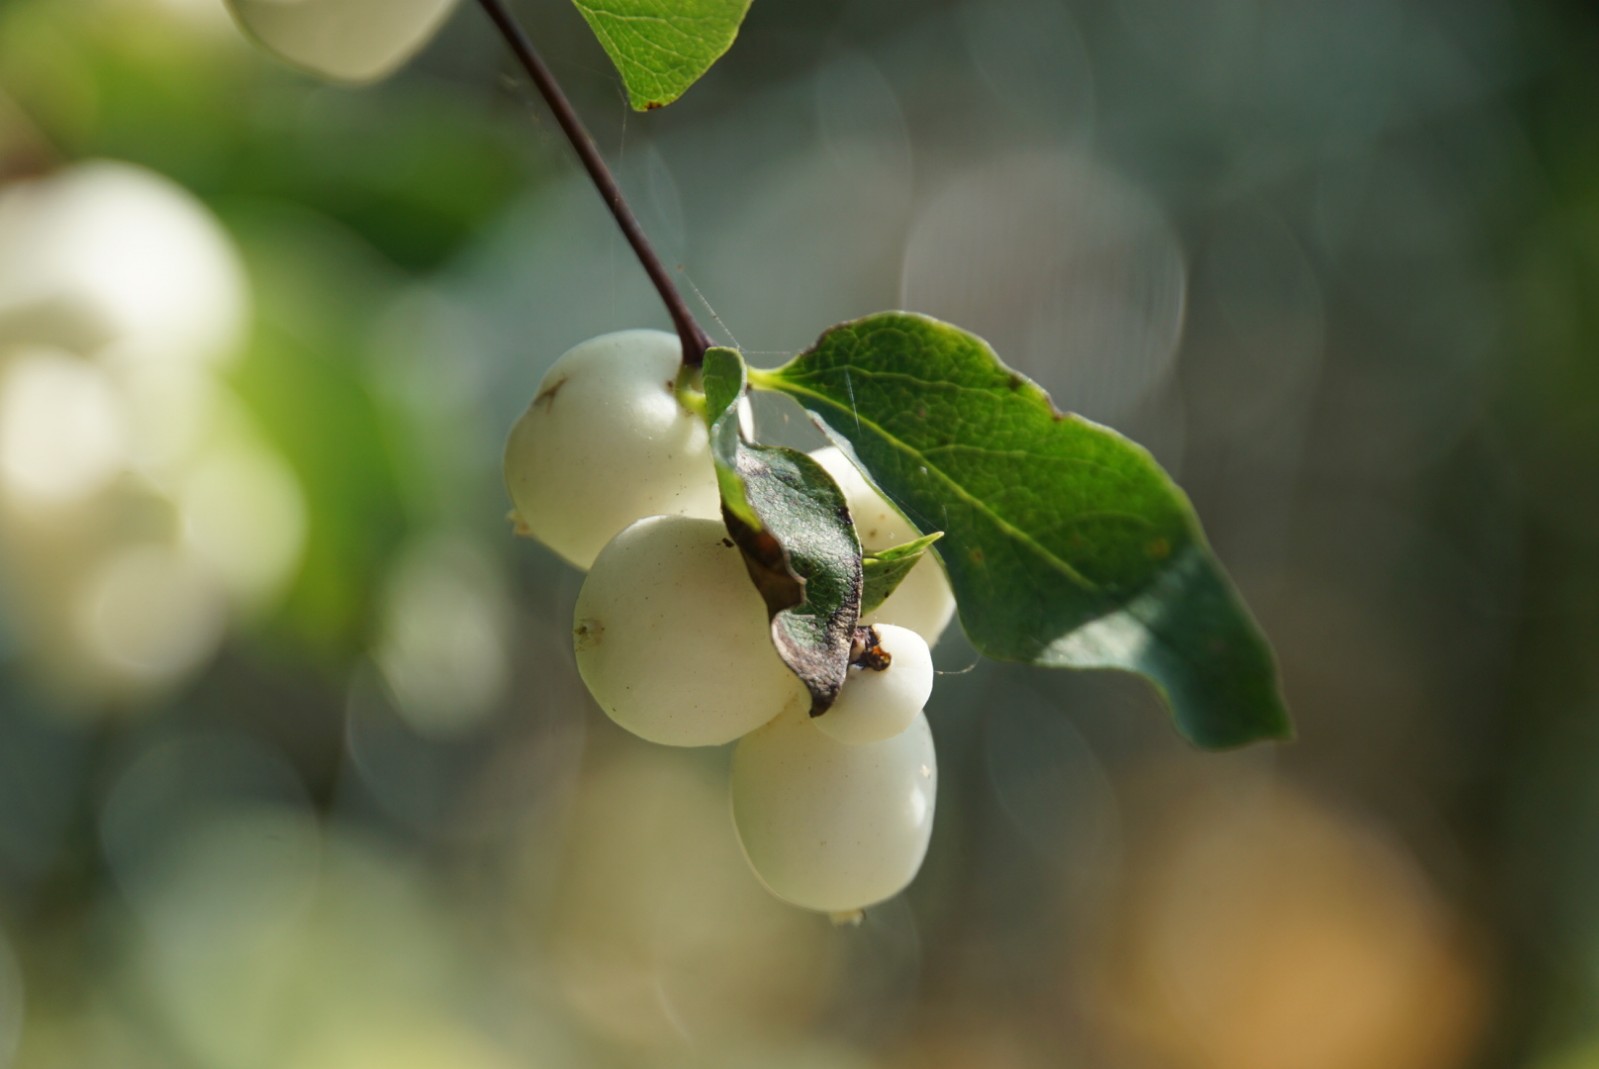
790,520
661,47
884,570
1066,544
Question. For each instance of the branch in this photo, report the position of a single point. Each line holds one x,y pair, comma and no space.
694,339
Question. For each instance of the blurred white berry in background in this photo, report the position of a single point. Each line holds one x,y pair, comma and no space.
140,507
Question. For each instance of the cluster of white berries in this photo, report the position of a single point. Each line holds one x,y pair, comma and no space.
610,467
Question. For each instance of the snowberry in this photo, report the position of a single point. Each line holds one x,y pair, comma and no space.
879,703
923,601
672,639
831,826
348,40
606,441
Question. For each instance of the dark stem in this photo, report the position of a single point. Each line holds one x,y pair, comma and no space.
694,339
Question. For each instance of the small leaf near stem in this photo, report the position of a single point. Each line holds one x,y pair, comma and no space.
885,569
695,341
791,523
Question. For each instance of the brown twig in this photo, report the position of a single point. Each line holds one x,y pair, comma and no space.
694,338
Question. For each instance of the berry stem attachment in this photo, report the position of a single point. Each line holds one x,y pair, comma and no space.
695,341
866,650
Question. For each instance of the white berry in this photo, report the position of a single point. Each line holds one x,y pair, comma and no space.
830,826
923,601
673,640
877,704
605,442
347,40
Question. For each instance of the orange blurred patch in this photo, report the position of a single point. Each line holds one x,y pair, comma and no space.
1269,931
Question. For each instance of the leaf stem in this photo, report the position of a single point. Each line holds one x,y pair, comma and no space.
764,378
695,341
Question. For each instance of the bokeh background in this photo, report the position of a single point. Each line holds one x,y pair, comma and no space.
295,769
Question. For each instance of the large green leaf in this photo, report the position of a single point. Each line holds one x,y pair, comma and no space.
1065,543
661,47
790,520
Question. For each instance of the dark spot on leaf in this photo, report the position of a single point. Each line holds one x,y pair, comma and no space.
975,555
728,542
767,565
1159,549
1015,382
766,546
651,105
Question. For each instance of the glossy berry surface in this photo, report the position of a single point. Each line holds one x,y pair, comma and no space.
607,441
831,826
672,639
879,703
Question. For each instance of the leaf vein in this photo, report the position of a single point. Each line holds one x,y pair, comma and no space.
977,504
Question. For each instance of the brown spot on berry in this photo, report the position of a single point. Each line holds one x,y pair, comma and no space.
866,650
587,634
546,396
